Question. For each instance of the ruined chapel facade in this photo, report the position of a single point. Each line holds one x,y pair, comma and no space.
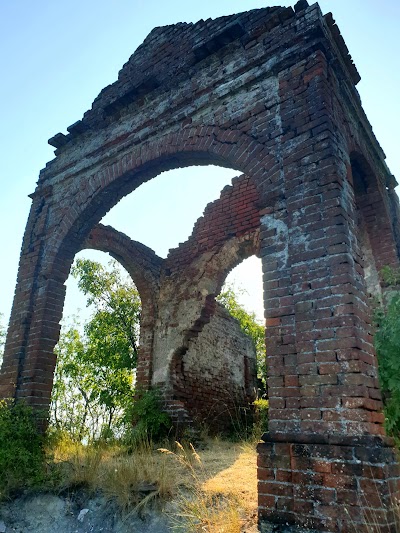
270,93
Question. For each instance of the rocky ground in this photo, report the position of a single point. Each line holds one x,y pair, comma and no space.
47,513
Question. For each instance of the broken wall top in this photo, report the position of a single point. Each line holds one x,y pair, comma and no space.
172,54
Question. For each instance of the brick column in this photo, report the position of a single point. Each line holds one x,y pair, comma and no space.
29,361
328,483
326,446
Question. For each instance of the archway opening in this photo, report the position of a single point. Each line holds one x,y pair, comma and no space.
246,283
161,237
242,296
98,351
162,212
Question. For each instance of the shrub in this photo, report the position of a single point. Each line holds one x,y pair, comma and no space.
261,415
148,419
387,344
22,456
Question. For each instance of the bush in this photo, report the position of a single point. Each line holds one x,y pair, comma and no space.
387,344
22,456
148,419
260,416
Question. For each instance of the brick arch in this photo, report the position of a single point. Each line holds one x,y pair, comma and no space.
144,267
142,263
375,219
217,267
64,225
192,145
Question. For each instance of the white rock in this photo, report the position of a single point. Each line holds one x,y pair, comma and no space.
2,527
82,514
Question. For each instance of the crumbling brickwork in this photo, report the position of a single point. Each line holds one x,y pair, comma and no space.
270,93
206,372
216,378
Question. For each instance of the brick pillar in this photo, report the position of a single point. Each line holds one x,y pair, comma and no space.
325,463
29,361
145,349
328,483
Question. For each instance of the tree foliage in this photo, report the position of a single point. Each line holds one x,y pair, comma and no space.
114,327
94,375
387,344
249,325
391,276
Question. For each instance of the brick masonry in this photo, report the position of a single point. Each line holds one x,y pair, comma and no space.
325,483
190,346
271,93
216,378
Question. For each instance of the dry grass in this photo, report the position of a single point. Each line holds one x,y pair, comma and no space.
212,491
134,480
220,492
78,465
238,478
125,478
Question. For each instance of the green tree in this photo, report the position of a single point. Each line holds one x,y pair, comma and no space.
249,325
94,375
387,345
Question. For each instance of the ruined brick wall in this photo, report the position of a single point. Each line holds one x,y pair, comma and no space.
193,274
216,378
271,93
234,215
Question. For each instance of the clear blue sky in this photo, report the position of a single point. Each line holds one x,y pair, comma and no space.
55,57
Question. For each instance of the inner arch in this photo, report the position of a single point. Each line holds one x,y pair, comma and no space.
161,213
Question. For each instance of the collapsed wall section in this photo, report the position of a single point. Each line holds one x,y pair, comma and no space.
216,378
193,274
